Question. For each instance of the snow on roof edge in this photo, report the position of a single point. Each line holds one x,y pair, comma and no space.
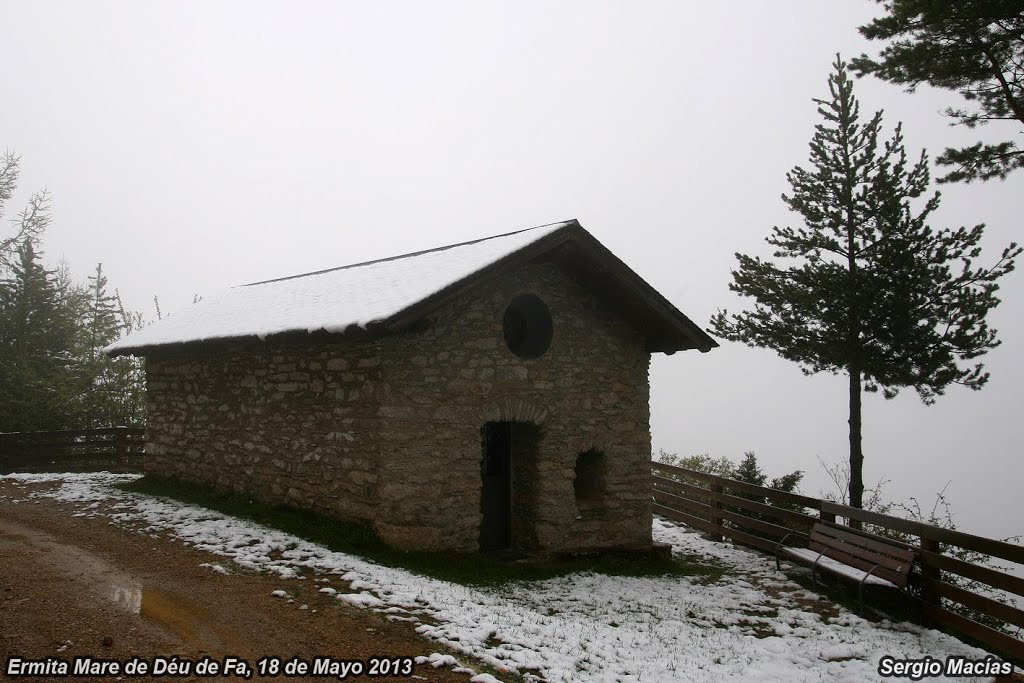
388,287
412,254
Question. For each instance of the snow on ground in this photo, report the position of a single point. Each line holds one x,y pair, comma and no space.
749,625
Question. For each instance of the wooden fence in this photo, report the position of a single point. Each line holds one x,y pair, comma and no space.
118,448
759,517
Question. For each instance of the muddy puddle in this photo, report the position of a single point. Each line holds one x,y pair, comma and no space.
107,583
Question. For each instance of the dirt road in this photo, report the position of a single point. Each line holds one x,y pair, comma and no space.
76,586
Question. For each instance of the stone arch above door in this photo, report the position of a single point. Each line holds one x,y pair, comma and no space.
512,410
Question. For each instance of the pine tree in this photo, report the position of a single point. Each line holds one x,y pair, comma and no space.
31,222
104,393
871,290
973,47
749,471
38,347
131,371
53,371
103,326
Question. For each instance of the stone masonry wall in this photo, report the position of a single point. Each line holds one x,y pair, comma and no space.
589,390
294,425
388,429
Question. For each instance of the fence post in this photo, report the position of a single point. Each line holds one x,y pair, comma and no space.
120,445
716,509
930,572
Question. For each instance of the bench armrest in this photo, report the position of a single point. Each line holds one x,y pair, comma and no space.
780,545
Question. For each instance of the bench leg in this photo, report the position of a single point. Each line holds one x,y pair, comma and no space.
814,568
860,589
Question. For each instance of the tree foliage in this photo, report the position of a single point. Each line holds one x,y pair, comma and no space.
973,47
38,346
868,288
747,470
33,219
702,462
750,472
114,395
53,331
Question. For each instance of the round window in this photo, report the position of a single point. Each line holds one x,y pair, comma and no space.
527,326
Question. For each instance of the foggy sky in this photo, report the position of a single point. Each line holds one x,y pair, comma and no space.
191,146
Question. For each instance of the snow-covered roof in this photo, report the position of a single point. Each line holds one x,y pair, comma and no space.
362,295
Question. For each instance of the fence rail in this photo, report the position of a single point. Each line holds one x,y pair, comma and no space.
76,449
723,508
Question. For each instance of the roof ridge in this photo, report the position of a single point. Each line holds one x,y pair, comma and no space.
401,256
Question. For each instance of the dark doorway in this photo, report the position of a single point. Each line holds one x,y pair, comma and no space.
496,487
508,486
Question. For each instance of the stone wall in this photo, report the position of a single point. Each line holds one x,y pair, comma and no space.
388,429
296,425
589,390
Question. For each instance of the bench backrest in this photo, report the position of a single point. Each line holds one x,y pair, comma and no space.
894,562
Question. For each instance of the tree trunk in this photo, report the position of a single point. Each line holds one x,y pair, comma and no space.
856,452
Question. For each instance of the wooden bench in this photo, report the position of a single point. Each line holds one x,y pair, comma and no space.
851,556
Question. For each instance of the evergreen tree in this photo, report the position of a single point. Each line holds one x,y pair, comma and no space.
38,347
31,222
131,371
871,290
103,326
53,372
974,47
103,399
749,471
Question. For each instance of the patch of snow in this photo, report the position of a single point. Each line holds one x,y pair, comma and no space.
363,599
215,567
750,625
437,660
484,678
